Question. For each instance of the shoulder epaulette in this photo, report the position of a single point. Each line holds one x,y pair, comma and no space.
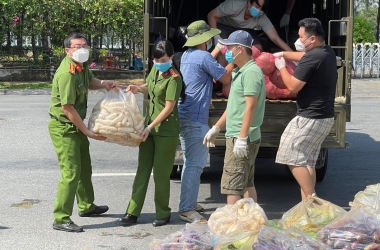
173,73
73,67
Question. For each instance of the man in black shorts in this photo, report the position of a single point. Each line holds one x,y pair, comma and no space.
314,81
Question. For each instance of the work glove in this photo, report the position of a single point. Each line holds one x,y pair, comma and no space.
284,20
240,147
278,54
211,136
280,63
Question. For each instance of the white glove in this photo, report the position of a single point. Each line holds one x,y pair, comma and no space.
280,63
216,39
240,147
284,20
278,54
211,136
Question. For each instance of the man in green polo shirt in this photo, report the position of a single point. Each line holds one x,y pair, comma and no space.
243,118
69,134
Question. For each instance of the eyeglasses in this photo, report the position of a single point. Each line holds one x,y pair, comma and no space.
80,47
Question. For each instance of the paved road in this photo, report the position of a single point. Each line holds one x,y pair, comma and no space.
29,175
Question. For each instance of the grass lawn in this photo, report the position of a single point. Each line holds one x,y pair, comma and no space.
25,85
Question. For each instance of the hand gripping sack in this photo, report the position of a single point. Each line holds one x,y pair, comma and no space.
117,117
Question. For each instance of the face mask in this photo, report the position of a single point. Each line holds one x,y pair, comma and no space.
300,45
209,45
163,67
81,55
229,57
255,12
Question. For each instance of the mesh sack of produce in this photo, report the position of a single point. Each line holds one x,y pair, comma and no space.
274,93
275,76
311,214
238,240
357,229
117,117
245,214
255,52
265,61
194,236
293,238
369,198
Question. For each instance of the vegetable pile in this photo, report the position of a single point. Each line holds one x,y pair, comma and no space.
245,214
118,118
311,215
292,238
355,230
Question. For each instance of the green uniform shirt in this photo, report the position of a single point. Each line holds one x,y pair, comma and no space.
69,87
166,87
248,80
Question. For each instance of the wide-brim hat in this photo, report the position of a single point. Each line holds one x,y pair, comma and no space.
238,37
199,32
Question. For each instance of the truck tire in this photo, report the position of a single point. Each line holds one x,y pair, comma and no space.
174,172
321,171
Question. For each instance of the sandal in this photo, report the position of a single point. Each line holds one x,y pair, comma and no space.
198,208
193,217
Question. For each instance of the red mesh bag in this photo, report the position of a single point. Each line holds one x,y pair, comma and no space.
274,93
276,78
255,52
225,90
266,63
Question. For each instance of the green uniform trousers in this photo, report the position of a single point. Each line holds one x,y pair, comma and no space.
72,148
156,153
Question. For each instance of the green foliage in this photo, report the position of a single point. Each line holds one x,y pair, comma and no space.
116,19
41,85
363,31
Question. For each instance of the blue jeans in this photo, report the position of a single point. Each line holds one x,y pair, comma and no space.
195,158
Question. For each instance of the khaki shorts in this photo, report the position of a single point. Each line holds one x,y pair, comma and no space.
301,141
238,173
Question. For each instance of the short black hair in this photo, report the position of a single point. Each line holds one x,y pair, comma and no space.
162,47
313,27
264,7
71,36
248,50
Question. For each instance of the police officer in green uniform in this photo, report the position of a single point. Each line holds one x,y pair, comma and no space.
160,137
68,107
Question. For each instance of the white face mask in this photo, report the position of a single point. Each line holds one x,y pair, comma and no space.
300,45
81,55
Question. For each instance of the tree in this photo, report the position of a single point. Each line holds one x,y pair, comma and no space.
363,31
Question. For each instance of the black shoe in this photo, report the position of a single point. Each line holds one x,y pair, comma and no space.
129,219
68,227
97,210
161,222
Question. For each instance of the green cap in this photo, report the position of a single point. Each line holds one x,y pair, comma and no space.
199,32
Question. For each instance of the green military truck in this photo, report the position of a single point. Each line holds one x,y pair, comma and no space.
168,17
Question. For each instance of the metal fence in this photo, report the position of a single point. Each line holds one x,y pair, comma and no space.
366,60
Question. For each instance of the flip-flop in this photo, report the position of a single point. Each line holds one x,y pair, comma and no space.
198,208
193,217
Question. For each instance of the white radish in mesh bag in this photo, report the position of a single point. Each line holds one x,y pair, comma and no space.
117,117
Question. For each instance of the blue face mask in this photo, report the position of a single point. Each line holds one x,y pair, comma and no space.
229,57
255,12
163,67
209,45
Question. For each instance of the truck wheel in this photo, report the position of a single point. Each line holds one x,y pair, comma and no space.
321,171
174,172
